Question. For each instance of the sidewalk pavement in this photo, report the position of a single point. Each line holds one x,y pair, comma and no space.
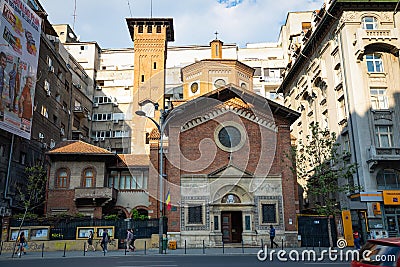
154,252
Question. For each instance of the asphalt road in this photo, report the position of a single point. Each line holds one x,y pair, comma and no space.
158,261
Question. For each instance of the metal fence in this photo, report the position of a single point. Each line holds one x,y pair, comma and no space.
65,229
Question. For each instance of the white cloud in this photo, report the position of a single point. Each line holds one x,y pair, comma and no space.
195,21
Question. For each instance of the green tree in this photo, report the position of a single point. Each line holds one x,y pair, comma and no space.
32,193
326,168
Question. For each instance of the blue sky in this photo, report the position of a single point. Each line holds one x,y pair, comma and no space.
195,21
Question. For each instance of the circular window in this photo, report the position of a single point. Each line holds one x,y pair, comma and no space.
194,87
230,136
219,83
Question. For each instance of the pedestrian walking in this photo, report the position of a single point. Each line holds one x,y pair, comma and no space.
357,239
90,241
129,240
272,236
104,240
21,241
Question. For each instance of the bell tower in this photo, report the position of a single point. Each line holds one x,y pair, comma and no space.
150,37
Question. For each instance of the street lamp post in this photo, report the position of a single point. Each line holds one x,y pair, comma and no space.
161,127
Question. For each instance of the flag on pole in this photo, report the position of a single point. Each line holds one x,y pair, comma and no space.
168,201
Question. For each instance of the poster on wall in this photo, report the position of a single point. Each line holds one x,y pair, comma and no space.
15,233
20,29
39,234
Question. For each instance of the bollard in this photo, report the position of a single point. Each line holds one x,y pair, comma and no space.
282,243
262,243
65,248
319,246
84,248
42,249
223,247
313,244
242,247
126,245
1,247
145,247
185,246
204,251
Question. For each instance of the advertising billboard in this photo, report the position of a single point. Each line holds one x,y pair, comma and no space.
20,29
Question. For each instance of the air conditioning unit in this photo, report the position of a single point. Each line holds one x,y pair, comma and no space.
95,105
62,131
98,87
48,93
52,143
102,138
116,121
96,139
51,69
262,78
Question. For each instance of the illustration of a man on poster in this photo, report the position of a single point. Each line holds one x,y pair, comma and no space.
25,102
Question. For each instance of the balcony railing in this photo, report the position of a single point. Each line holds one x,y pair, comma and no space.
81,112
96,193
378,154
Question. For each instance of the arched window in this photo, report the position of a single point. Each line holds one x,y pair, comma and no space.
369,23
388,179
62,178
88,177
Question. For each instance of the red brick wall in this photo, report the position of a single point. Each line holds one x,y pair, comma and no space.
61,199
261,158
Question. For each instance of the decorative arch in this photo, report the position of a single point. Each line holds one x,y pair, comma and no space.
245,196
122,212
142,210
381,47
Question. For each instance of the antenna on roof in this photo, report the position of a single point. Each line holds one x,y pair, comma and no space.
74,15
130,12
151,8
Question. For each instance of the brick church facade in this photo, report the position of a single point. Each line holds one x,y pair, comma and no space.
227,169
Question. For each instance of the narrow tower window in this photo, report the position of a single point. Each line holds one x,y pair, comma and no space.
142,78
155,65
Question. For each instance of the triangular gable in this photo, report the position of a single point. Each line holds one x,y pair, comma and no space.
230,171
208,106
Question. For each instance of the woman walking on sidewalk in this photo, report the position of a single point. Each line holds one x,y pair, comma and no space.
90,241
21,244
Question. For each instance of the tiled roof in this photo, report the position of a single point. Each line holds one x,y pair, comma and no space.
134,160
155,134
77,147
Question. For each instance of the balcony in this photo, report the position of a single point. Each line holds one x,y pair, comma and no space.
268,79
390,38
381,154
95,195
81,112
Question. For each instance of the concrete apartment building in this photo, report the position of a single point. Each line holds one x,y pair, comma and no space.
59,111
343,72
